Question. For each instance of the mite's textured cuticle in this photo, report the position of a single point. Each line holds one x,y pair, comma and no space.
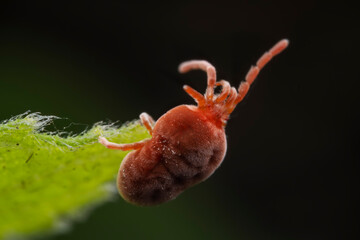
174,159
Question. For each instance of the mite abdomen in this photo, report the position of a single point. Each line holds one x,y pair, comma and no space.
167,165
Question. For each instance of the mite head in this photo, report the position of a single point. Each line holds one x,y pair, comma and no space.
218,107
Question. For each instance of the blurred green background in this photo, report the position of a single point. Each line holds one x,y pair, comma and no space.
290,170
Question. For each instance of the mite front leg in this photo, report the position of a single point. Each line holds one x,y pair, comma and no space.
254,70
264,59
147,121
123,147
205,66
198,97
224,92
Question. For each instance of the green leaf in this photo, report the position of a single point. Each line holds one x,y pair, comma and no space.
45,178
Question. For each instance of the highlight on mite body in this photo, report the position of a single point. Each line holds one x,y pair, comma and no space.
188,142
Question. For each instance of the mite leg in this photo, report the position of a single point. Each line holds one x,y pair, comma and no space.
264,59
231,99
205,66
254,70
147,121
198,97
224,92
243,89
123,147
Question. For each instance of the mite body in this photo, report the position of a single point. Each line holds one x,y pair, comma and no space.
188,142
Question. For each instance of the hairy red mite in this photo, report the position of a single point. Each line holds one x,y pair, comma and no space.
188,142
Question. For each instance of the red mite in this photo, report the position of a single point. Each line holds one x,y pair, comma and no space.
188,142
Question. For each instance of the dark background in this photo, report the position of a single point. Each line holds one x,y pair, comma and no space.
292,162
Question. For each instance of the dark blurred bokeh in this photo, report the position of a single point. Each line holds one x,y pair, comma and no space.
293,143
